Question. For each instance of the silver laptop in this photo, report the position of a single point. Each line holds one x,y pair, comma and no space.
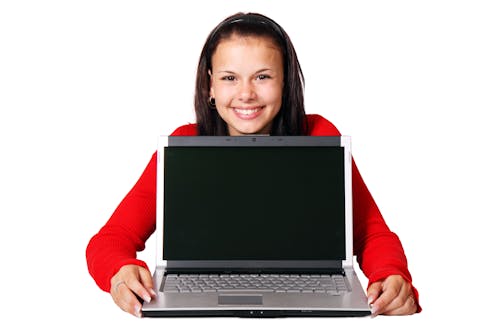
255,226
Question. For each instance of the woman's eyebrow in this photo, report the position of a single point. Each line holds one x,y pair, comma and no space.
225,72
231,72
264,70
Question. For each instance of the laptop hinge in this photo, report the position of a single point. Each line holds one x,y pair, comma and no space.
329,271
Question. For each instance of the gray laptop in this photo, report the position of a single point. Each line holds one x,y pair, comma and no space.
255,226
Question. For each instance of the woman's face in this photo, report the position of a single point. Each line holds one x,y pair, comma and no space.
247,83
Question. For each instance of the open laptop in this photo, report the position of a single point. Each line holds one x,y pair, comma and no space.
255,226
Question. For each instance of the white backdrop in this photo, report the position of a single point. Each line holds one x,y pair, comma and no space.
87,86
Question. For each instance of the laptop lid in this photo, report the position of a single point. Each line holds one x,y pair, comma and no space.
254,204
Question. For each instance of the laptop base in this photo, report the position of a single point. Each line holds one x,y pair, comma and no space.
256,313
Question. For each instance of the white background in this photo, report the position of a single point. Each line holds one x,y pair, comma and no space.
87,86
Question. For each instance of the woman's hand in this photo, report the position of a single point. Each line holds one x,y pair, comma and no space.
392,296
130,282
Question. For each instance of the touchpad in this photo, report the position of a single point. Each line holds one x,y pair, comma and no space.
240,299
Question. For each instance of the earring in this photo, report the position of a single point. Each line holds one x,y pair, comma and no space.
211,102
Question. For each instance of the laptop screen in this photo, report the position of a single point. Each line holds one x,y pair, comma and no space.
254,203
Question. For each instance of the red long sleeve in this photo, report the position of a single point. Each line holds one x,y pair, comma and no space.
127,230
378,249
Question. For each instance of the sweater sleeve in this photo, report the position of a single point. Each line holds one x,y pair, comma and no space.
126,232
128,228
378,250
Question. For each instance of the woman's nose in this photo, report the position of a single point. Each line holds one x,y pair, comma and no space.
247,91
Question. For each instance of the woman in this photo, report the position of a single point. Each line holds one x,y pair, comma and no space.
249,81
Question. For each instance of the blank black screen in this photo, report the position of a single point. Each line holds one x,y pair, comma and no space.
254,203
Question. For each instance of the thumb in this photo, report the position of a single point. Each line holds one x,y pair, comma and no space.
146,279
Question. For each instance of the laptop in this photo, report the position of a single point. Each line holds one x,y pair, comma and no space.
255,226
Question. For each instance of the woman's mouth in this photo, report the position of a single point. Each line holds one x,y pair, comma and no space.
247,113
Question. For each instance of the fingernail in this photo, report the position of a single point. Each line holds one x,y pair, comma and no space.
152,292
146,298
374,310
137,311
370,300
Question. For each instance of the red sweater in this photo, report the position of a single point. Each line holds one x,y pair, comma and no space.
379,251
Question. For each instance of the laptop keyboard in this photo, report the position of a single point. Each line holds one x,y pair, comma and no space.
279,283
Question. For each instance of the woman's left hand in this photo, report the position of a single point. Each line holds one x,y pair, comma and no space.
392,296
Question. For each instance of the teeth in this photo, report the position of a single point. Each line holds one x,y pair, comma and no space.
246,112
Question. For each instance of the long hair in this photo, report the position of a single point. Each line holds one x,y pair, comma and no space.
291,118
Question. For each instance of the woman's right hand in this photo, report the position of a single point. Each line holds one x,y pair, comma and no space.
130,282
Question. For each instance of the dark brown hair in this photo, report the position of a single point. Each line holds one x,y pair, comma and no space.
291,119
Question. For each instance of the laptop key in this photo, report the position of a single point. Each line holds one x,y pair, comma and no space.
209,290
171,290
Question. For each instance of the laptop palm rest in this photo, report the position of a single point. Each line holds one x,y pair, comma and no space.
240,299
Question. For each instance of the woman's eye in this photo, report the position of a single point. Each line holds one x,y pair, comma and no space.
228,78
263,77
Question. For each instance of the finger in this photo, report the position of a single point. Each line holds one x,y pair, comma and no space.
409,307
397,296
389,292
147,281
404,301
373,292
126,299
138,289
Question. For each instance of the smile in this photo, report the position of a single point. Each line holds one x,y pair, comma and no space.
246,112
